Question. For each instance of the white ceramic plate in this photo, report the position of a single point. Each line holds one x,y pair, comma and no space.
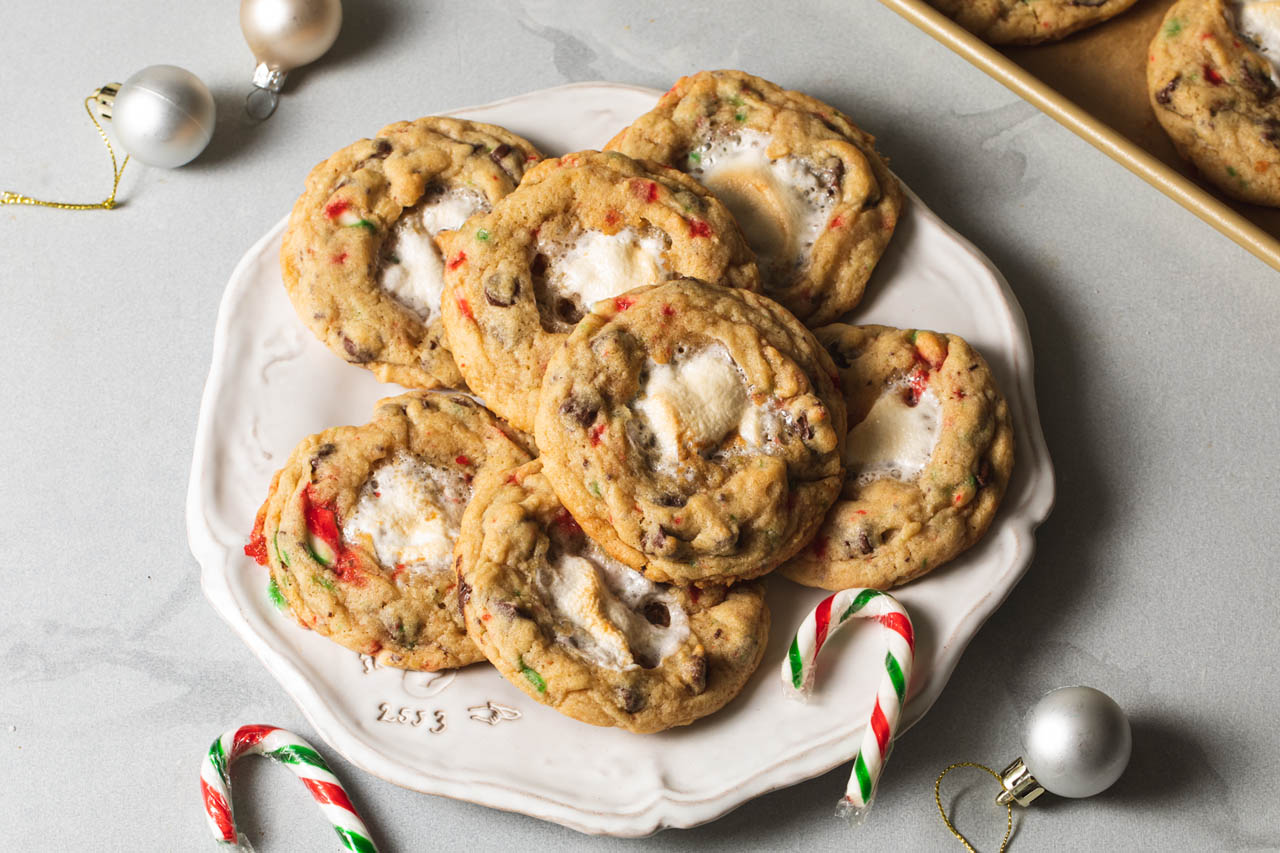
469,734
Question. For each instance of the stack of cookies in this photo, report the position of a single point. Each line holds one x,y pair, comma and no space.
669,412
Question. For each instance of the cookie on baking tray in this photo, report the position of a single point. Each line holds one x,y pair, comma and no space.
1214,90
1028,21
359,526
580,228
693,430
587,635
929,455
817,203
359,260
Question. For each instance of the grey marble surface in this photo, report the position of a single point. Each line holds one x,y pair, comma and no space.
1155,339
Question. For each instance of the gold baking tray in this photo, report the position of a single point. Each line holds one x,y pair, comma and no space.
1094,83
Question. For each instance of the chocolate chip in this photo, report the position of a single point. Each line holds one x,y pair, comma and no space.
718,634
464,595
864,543
631,700
568,311
321,452
1258,81
501,290
498,153
657,614
697,679
355,352
842,357
511,610
579,411
381,148
803,429
1271,132
1089,4
670,499
984,473
646,660
1165,95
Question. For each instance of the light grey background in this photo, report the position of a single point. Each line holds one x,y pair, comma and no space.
1156,345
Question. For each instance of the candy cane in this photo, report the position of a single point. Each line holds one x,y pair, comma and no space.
296,754
798,673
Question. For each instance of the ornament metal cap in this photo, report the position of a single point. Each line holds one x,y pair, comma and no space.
1019,785
105,98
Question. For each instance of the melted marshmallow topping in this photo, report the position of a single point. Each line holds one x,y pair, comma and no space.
610,614
1259,20
696,401
895,439
409,512
596,266
414,271
780,204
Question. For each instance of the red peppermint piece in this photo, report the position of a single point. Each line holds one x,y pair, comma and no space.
457,260
337,208
698,228
257,547
465,308
622,303
1212,76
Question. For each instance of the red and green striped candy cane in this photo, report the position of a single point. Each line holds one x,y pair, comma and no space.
798,675
296,754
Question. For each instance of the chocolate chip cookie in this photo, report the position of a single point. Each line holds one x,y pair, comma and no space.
359,525
1028,21
929,454
817,203
693,430
580,228
1215,93
587,635
359,258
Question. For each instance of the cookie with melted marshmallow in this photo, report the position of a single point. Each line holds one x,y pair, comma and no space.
359,258
587,635
929,455
1028,21
581,228
693,430
359,526
816,202
1213,76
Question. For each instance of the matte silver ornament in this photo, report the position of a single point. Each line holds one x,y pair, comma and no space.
1076,742
283,35
163,115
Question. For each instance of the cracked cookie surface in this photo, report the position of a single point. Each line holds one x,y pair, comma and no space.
693,430
586,635
1028,21
359,525
359,259
817,203
582,227
929,455
1216,96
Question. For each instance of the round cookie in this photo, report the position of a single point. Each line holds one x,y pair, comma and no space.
359,259
580,228
694,431
1028,21
586,635
817,203
929,454
1216,95
359,526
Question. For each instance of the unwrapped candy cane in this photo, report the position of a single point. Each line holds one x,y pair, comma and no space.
798,673
296,754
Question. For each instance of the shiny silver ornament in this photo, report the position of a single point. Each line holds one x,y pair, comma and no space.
1076,742
283,35
163,115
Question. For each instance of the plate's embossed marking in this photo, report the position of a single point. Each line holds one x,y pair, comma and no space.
368,664
492,713
426,684
414,717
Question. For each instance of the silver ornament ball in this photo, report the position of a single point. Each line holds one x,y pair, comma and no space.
285,34
163,116
1076,741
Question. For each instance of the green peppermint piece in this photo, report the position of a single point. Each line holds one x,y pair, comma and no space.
695,156
323,581
1172,28
740,115
482,235
273,593
282,556
365,224
595,488
915,335
532,674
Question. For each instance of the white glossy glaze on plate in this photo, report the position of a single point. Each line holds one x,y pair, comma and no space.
472,736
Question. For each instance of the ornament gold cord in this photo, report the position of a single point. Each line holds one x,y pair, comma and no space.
107,204
937,798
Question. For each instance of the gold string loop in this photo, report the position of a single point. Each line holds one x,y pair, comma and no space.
937,798
107,204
